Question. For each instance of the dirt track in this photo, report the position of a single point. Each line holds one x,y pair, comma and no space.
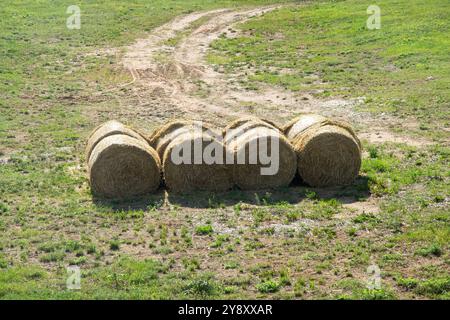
176,76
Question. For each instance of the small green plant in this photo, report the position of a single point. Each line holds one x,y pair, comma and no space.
52,257
407,283
310,194
191,264
433,250
72,246
114,245
3,208
352,231
238,208
202,286
3,262
373,152
300,287
433,287
292,216
376,294
231,265
220,239
204,230
268,286
366,218
91,249
284,278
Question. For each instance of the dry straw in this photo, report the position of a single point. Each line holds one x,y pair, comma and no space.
242,133
328,151
191,175
107,129
121,166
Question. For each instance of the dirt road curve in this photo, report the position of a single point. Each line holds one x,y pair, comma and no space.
169,68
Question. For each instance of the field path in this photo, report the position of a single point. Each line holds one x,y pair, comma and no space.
169,69
179,72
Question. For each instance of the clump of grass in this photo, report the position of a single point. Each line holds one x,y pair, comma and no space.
91,249
231,265
407,283
373,152
352,232
237,208
3,208
3,262
78,261
432,250
204,230
202,286
366,218
114,245
376,294
434,287
299,287
52,257
268,286
292,216
72,246
48,247
310,194
191,264
220,240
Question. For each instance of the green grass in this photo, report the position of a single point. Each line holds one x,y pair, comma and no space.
291,243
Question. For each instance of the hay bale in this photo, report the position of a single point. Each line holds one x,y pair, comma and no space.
107,129
195,173
248,168
121,166
328,151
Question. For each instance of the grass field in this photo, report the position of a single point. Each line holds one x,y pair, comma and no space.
295,243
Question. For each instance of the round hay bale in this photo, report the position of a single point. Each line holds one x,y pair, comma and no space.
107,129
121,166
328,151
251,170
193,158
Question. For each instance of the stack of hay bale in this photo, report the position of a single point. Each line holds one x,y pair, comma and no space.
124,163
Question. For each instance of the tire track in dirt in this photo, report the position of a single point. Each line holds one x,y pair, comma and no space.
182,67
180,78
174,72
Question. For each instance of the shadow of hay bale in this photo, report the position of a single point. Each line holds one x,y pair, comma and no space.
144,202
294,194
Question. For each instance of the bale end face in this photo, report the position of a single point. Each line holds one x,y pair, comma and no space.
263,158
203,169
257,175
123,167
329,156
